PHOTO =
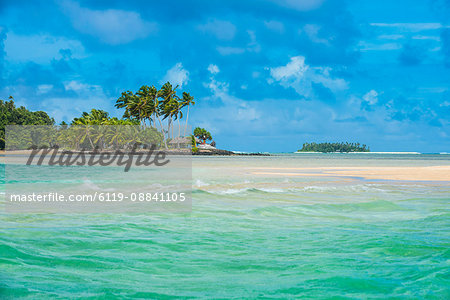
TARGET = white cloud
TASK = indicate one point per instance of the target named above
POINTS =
(219, 89)
(391, 36)
(111, 26)
(301, 5)
(427, 37)
(295, 68)
(252, 46)
(364, 46)
(223, 30)
(69, 108)
(230, 50)
(274, 26)
(298, 75)
(88, 96)
(312, 31)
(177, 75)
(44, 88)
(78, 86)
(44, 47)
(410, 26)
(371, 97)
(235, 109)
(213, 69)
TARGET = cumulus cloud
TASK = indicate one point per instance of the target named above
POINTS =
(294, 69)
(177, 75)
(236, 109)
(302, 77)
(111, 26)
(223, 30)
(213, 69)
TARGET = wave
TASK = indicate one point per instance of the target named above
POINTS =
(232, 191)
(359, 188)
(199, 183)
(89, 185)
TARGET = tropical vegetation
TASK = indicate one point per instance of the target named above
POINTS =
(151, 107)
(12, 115)
(150, 115)
(202, 134)
(334, 147)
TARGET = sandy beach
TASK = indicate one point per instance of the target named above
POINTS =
(429, 173)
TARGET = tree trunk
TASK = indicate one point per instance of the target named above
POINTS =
(90, 141)
(169, 122)
(179, 133)
(187, 117)
(162, 129)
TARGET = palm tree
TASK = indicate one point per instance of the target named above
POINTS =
(170, 98)
(187, 100)
(87, 124)
(83, 126)
(155, 109)
(146, 96)
(124, 102)
(202, 134)
(174, 111)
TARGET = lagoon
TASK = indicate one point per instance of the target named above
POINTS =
(255, 231)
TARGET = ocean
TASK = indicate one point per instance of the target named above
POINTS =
(250, 234)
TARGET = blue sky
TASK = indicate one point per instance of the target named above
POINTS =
(267, 75)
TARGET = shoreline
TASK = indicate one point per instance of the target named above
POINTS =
(202, 152)
(355, 152)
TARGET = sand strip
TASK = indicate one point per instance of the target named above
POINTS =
(434, 173)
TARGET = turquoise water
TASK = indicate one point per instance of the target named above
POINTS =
(248, 236)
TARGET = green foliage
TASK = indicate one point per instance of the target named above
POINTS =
(117, 135)
(144, 107)
(202, 134)
(193, 143)
(95, 117)
(12, 115)
(334, 147)
(149, 105)
(87, 137)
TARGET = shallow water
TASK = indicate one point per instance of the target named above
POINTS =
(247, 237)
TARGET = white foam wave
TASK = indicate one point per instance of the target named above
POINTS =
(199, 183)
(271, 190)
(89, 185)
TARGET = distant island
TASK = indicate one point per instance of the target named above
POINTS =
(334, 147)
